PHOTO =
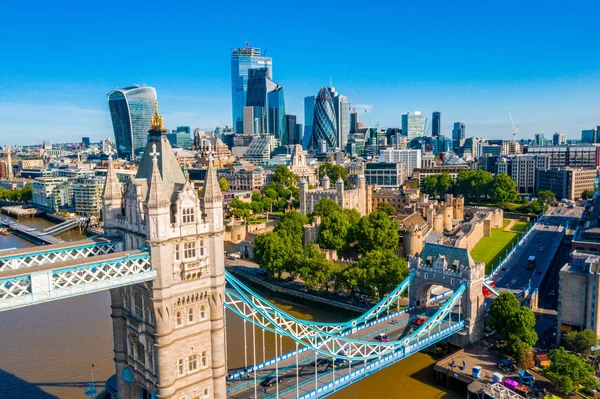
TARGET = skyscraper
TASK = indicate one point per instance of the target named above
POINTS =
(436, 124)
(324, 122)
(458, 132)
(293, 130)
(131, 109)
(413, 125)
(242, 60)
(342, 115)
(263, 92)
(309, 114)
(559, 139)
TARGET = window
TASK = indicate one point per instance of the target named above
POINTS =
(204, 359)
(177, 252)
(190, 315)
(192, 362)
(181, 367)
(206, 393)
(140, 352)
(189, 249)
(201, 247)
(138, 308)
(202, 312)
(188, 215)
(179, 318)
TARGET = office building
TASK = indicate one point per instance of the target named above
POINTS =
(577, 156)
(413, 125)
(590, 136)
(260, 149)
(567, 183)
(263, 92)
(276, 123)
(385, 174)
(131, 109)
(436, 124)
(523, 170)
(324, 130)
(86, 142)
(342, 115)
(293, 130)
(493, 150)
(180, 139)
(242, 60)
(354, 122)
(539, 139)
(559, 139)
(458, 132)
(452, 170)
(410, 158)
(309, 114)
(87, 193)
(51, 194)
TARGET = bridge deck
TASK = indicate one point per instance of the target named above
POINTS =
(15, 253)
(244, 387)
(65, 265)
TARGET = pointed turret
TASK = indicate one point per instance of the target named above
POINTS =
(211, 192)
(112, 187)
(156, 194)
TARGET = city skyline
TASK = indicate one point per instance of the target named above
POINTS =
(473, 75)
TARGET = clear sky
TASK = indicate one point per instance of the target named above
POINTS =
(471, 60)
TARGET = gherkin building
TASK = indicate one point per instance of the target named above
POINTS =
(324, 123)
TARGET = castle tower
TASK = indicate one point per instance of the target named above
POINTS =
(169, 337)
(325, 182)
(339, 188)
(303, 193)
(413, 240)
(447, 214)
(459, 208)
(112, 199)
(362, 195)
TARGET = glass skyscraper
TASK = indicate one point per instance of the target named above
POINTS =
(309, 114)
(436, 124)
(131, 110)
(413, 125)
(342, 114)
(324, 131)
(242, 60)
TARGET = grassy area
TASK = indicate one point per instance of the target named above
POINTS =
(520, 226)
(490, 250)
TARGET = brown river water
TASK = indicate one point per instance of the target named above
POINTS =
(47, 350)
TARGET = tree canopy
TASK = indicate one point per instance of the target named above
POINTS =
(515, 323)
(437, 185)
(570, 372)
(326, 207)
(284, 176)
(387, 208)
(587, 194)
(333, 171)
(546, 196)
(223, 184)
(503, 188)
(580, 341)
(24, 194)
(383, 271)
(376, 231)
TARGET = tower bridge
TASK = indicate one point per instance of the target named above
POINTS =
(163, 262)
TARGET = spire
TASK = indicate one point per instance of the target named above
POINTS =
(156, 194)
(112, 187)
(211, 192)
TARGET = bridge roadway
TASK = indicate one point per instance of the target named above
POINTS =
(543, 242)
(34, 236)
(243, 387)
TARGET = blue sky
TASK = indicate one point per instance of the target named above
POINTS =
(471, 60)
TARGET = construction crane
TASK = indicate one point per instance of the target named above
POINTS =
(515, 128)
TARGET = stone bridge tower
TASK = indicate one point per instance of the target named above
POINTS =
(450, 267)
(169, 339)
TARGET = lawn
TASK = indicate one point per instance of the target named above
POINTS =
(520, 226)
(490, 250)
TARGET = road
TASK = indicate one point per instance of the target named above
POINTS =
(543, 243)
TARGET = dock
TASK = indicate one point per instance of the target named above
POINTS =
(30, 234)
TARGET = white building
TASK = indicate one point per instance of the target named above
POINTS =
(410, 158)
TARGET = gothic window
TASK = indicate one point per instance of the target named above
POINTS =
(204, 359)
(140, 352)
(201, 248)
(189, 249)
(202, 312)
(187, 215)
(138, 308)
(206, 393)
(192, 362)
(190, 315)
(179, 318)
(181, 367)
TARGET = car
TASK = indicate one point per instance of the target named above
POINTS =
(419, 321)
(552, 293)
(234, 256)
(339, 363)
(382, 337)
(270, 381)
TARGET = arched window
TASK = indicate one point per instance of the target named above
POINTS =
(190, 315)
(204, 359)
(187, 215)
(179, 318)
(202, 312)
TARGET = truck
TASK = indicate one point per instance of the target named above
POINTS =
(531, 263)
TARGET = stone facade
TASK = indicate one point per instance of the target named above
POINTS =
(169, 339)
(358, 198)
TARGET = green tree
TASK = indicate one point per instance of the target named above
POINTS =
(570, 372)
(284, 176)
(223, 184)
(326, 207)
(473, 184)
(352, 278)
(503, 189)
(429, 185)
(387, 208)
(276, 252)
(376, 231)
(383, 271)
(270, 193)
(587, 194)
(255, 197)
(334, 231)
(445, 184)
(314, 269)
(580, 341)
(292, 222)
(546, 196)
(333, 171)
(515, 323)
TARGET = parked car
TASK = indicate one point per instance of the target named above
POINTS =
(382, 337)
(270, 381)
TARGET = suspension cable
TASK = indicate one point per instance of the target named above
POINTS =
(254, 366)
(276, 368)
